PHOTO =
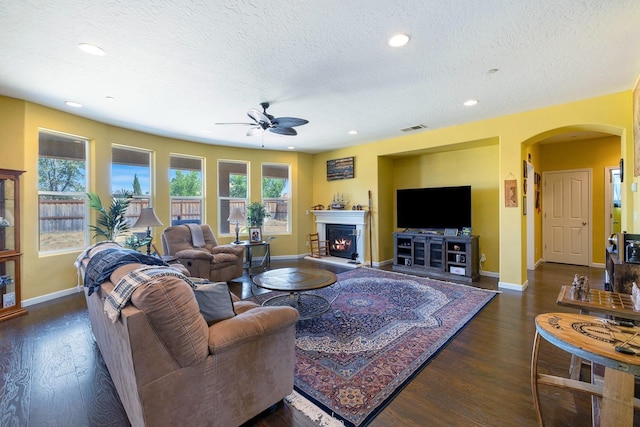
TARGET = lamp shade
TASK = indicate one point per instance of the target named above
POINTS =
(236, 215)
(147, 218)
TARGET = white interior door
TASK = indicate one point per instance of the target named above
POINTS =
(566, 216)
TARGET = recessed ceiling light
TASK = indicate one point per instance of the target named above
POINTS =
(73, 104)
(91, 49)
(207, 131)
(110, 98)
(399, 40)
(353, 132)
(470, 102)
(291, 147)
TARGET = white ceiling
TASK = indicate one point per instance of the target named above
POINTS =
(176, 67)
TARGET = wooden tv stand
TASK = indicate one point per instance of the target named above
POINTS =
(434, 255)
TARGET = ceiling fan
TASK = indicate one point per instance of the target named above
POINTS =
(263, 121)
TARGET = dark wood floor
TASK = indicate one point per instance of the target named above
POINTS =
(52, 373)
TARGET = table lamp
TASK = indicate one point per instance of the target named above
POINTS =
(147, 219)
(236, 216)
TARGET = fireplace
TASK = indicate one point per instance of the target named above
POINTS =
(341, 240)
(356, 220)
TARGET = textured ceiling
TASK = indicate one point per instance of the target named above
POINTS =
(176, 67)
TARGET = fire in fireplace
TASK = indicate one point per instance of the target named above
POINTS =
(342, 240)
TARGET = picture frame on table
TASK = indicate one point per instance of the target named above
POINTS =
(255, 234)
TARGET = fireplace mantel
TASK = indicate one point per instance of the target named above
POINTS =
(347, 217)
(336, 216)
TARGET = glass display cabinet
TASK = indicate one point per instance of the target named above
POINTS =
(10, 301)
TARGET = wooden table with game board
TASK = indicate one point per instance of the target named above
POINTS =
(592, 338)
(610, 303)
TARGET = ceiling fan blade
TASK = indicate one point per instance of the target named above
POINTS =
(255, 131)
(283, 130)
(236, 124)
(258, 116)
(289, 122)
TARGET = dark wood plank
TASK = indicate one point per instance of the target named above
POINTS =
(480, 378)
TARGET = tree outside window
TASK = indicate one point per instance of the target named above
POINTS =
(276, 194)
(233, 192)
(62, 186)
(185, 189)
(131, 173)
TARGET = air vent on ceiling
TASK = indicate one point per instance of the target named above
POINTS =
(412, 128)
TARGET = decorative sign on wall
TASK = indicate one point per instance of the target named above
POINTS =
(340, 168)
(510, 193)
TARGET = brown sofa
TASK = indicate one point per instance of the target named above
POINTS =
(170, 368)
(218, 263)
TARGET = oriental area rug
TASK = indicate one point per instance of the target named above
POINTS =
(382, 329)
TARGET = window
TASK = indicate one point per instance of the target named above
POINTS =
(616, 186)
(232, 192)
(185, 188)
(131, 172)
(62, 185)
(276, 193)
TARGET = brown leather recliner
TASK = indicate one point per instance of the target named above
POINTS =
(205, 259)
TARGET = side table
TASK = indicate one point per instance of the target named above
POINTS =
(610, 303)
(265, 261)
(592, 339)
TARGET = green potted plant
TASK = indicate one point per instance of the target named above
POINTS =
(111, 223)
(256, 213)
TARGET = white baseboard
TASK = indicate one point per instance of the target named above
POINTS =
(493, 274)
(513, 286)
(51, 296)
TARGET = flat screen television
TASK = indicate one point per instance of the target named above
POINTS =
(434, 208)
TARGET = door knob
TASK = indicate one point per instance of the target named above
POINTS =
(584, 223)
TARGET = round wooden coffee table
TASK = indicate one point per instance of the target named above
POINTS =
(296, 281)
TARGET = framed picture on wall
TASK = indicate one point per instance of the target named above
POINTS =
(340, 168)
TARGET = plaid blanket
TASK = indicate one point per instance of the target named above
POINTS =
(122, 292)
(103, 263)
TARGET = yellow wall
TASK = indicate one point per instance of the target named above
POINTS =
(595, 154)
(477, 167)
(12, 133)
(42, 275)
(514, 133)
(489, 151)
(532, 154)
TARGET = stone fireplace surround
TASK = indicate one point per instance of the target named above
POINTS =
(346, 217)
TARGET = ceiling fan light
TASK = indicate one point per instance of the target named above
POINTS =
(255, 131)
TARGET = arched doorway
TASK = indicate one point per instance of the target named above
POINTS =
(592, 148)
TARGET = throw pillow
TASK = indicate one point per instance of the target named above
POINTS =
(214, 301)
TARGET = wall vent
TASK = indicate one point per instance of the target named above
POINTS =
(412, 128)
